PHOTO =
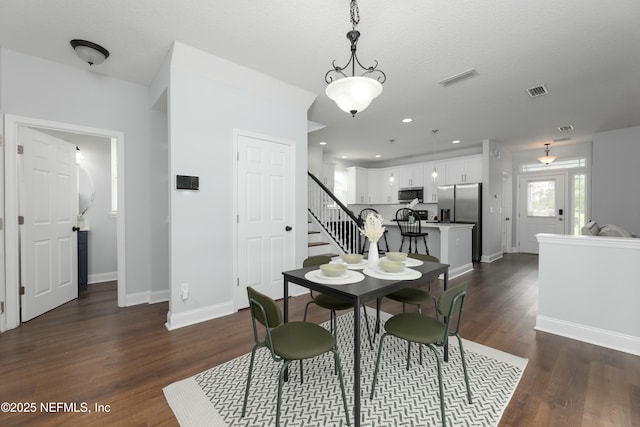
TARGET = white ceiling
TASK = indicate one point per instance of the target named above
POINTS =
(586, 52)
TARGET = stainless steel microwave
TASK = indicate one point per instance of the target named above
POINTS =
(406, 195)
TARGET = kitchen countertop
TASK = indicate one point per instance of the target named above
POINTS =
(433, 224)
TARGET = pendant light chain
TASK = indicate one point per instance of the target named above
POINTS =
(355, 14)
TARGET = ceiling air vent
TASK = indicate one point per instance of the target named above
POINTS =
(537, 91)
(562, 139)
(565, 128)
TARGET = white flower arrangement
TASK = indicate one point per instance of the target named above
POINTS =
(373, 228)
(413, 203)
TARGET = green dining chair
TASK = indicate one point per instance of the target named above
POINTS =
(330, 303)
(414, 296)
(287, 342)
(432, 332)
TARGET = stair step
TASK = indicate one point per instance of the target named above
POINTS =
(317, 243)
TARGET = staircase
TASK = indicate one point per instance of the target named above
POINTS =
(333, 228)
(318, 244)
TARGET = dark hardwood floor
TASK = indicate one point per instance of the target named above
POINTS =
(90, 351)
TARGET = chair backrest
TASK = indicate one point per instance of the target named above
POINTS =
(264, 309)
(362, 216)
(316, 260)
(450, 304)
(408, 220)
(423, 257)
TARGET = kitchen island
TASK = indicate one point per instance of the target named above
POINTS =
(451, 243)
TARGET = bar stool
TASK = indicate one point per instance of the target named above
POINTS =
(409, 222)
(362, 216)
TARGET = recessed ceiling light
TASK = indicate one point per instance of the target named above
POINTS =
(457, 141)
(344, 157)
(323, 143)
(407, 120)
(378, 156)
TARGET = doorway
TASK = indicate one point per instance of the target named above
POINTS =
(542, 202)
(12, 125)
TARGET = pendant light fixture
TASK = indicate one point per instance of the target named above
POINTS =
(391, 177)
(89, 52)
(546, 159)
(434, 174)
(353, 93)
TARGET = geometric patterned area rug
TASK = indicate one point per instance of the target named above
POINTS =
(214, 397)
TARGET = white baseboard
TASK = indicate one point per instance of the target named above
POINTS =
(102, 277)
(491, 258)
(159, 296)
(137, 298)
(601, 337)
(459, 271)
(191, 317)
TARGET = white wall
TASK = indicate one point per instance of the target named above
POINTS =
(209, 98)
(493, 167)
(102, 235)
(42, 89)
(588, 289)
(616, 174)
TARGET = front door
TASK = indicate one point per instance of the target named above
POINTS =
(542, 209)
(265, 215)
(48, 195)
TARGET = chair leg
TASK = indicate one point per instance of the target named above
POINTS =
(333, 329)
(375, 372)
(336, 359)
(425, 245)
(444, 421)
(401, 244)
(301, 372)
(246, 391)
(464, 368)
(306, 307)
(409, 354)
(280, 381)
(420, 345)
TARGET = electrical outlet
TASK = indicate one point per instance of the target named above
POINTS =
(184, 290)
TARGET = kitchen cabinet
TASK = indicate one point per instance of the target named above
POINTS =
(357, 186)
(388, 188)
(328, 175)
(464, 169)
(374, 178)
(411, 176)
(430, 183)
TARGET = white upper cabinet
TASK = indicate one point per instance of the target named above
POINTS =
(328, 175)
(389, 187)
(464, 169)
(374, 177)
(357, 186)
(411, 176)
(430, 183)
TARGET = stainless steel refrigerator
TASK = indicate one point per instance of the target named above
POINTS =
(462, 203)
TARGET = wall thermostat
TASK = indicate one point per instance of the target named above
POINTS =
(186, 182)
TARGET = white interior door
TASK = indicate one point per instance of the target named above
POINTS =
(265, 216)
(542, 209)
(48, 202)
(507, 212)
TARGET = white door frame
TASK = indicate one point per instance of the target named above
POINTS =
(236, 134)
(541, 176)
(507, 212)
(11, 125)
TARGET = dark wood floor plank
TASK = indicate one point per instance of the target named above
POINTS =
(89, 350)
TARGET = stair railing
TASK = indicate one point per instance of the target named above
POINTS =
(333, 216)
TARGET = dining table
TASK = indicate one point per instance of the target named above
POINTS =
(372, 286)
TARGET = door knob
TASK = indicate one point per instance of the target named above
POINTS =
(75, 229)
(559, 219)
(288, 228)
